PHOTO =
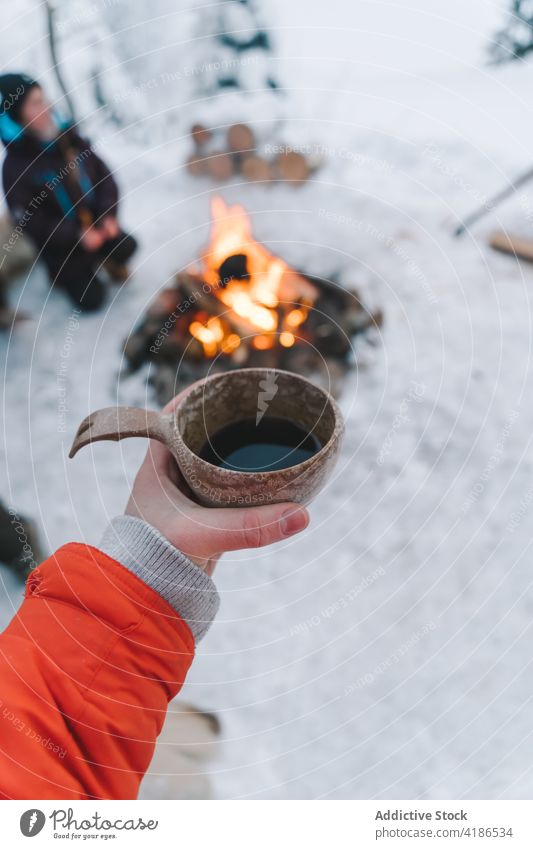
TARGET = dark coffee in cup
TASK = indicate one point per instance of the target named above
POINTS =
(248, 436)
(271, 444)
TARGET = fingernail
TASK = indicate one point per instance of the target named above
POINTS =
(293, 521)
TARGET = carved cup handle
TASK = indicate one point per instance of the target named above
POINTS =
(116, 423)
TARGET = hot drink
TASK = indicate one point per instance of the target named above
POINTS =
(291, 449)
(272, 444)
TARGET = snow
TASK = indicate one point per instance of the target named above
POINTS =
(385, 652)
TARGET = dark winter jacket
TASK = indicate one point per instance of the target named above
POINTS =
(54, 189)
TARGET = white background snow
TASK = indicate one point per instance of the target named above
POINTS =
(386, 652)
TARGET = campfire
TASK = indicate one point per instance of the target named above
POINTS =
(241, 306)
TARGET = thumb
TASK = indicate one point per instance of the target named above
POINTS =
(230, 529)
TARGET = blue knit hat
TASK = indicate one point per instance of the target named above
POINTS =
(13, 90)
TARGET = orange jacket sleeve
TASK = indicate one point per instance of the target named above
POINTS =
(87, 668)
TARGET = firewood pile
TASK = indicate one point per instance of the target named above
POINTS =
(239, 307)
(223, 156)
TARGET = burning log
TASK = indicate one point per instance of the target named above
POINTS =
(295, 285)
(199, 296)
(193, 294)
(241, 306)
(235, 267)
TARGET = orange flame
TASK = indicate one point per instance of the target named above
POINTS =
(254, 301)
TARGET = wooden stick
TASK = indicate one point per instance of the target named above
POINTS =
(193, 291)
(493, 202)
(520, 247)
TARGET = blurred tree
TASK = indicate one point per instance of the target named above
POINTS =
(516, 39)
(50, 9)
(236, 47)
(95, 83)
(155, 67)
(211, 64)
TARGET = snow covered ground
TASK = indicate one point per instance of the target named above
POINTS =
(385, 652)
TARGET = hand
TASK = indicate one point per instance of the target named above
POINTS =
(109, 226)
(92, 239)
(159, 497)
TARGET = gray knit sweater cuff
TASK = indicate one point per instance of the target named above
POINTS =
(149, 555)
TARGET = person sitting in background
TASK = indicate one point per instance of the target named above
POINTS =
(17, 255)
(61, 194)
(105, 636)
